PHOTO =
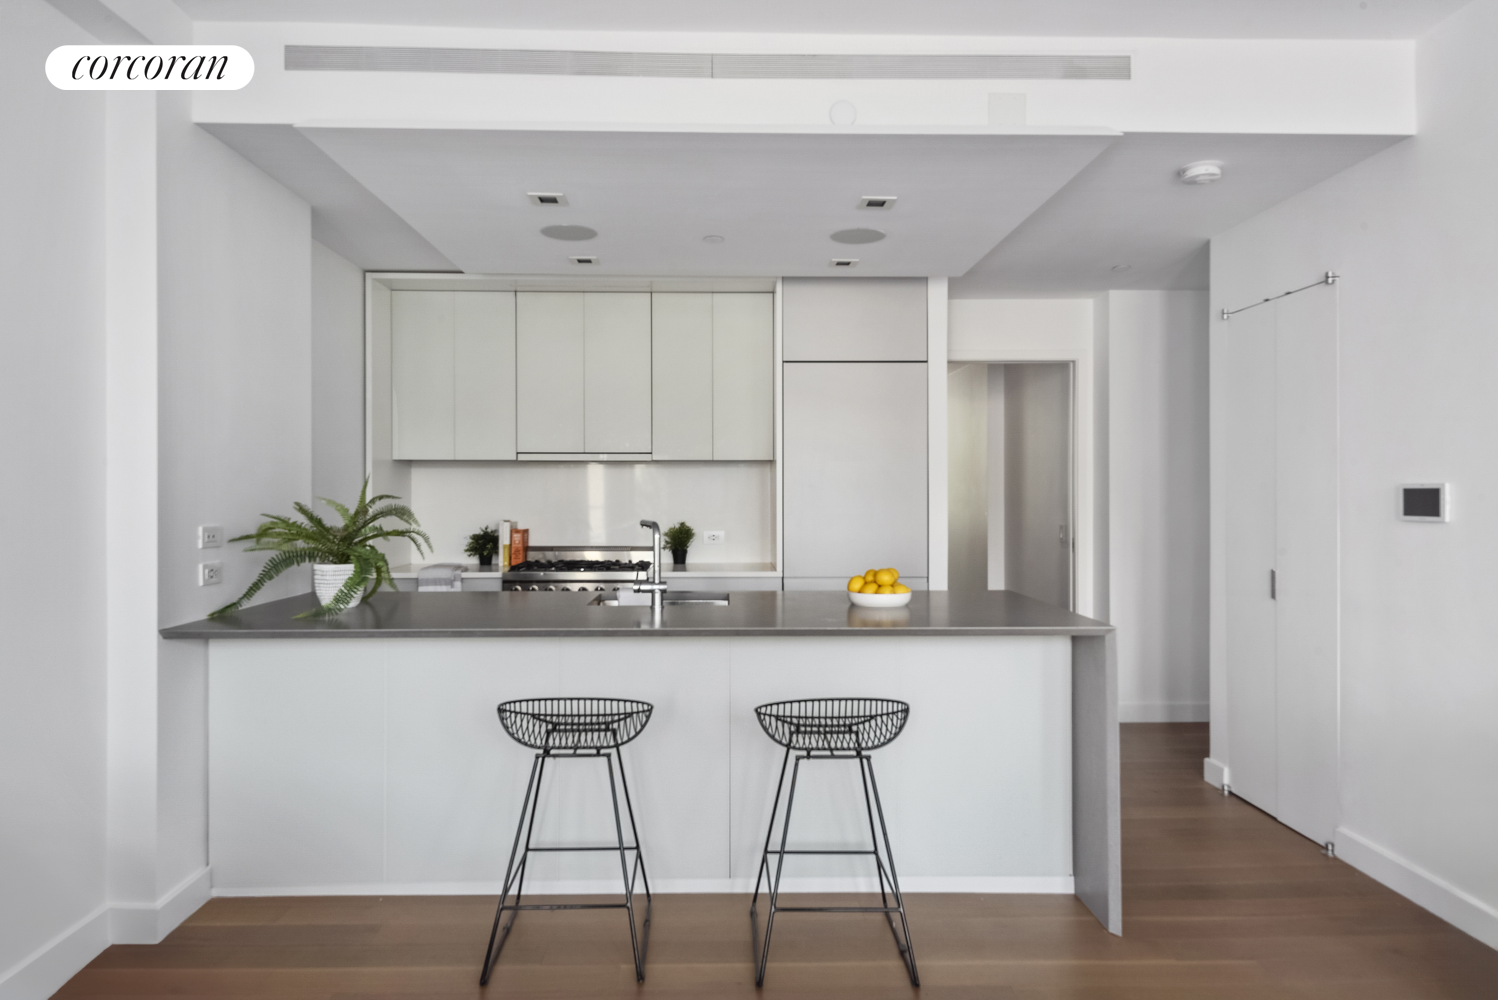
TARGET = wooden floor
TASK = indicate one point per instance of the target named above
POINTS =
(1220, 902)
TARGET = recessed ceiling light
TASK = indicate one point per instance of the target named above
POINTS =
(857, 236)
(546, 197)
(569, 232)
(712, 239)
(877, 201)
(583, 260)
(1120, 267)
(843, 262)
(843, 113)
(1201, 172)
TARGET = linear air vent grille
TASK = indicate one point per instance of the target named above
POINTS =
(535, 62)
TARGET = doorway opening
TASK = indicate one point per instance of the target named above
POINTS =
(1011, 492)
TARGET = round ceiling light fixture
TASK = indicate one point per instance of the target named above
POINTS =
(1201, 172)
(569, 232)
(843, 113)
(712, 239)
(857, 236)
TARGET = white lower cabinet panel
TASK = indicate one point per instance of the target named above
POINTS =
(369, 766)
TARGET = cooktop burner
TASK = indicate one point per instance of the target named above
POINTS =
(581, 566)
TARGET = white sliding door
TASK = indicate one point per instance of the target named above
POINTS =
(1282, 557)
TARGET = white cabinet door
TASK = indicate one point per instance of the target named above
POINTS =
(484, 375)
(743, 382)
(421, 374)
(617, 372)
(1251, 503)
(682, 384)
(855, 473)
(549, 383)
(854, 319)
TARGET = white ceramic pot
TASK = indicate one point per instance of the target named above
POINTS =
(329, 578)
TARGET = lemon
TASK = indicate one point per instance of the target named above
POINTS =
(886, 577)
(870, 588)
(856, 583)
(869, 575)
(886, 589)
(899, 588)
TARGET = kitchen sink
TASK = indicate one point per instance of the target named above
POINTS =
(680, 597)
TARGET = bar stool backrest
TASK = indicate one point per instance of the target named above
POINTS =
(574, 723)
(833, 723)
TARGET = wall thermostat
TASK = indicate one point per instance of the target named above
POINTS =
(1425, 502)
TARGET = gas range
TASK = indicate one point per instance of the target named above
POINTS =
(604, 568)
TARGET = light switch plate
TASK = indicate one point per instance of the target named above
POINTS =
(715, 536)
(210, 573)
(210, 536)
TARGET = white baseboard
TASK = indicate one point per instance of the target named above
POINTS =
(148, 923)
(1440, 897)
(1214, 772)
(1163, 711)
(44, 971)
(989, 884)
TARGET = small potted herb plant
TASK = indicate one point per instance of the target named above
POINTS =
(483, 545)
(343, 557)
(678, 539)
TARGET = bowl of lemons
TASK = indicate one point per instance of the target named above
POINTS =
(879, 588)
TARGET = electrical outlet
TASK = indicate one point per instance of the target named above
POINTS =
(210, 536)
(210, 573)
(715, 536)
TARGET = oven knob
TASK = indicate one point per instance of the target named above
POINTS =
(533, 587)
(551, 588)
(597, 588)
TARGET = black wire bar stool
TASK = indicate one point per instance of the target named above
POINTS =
(832, 729)
(573, 728)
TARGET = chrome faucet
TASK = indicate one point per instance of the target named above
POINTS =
(655, 587)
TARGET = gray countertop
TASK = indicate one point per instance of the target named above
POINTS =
(498, 614)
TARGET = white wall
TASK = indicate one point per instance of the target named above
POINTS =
(997, 432)
(968, 477)
(234, 258)
(1157, 469)
(337, 376)
(52, 671)
(600, 503)
(1411, 233)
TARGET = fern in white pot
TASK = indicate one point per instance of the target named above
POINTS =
(344, 558)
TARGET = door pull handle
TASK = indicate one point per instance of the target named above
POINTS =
(1272, 586)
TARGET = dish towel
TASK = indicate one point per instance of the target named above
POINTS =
(440, 577)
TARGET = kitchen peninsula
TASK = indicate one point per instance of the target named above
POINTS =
(362, 754)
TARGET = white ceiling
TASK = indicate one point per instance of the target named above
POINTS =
(776, 198)
(1057, 18)
(1128, 208)
(1014, 215)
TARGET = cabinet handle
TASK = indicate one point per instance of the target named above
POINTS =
(1272, 588)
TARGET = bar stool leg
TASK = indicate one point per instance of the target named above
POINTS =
(639, 862)
(624, 869)
(907, 947)
(774, 893)
(527, 807)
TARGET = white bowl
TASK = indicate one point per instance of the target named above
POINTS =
(879, 600)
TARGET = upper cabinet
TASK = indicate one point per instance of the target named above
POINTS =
(743, 376)
(616, 365)
(714, 376)
(549, 346)
(506, 375)
(452, 375)
(583, 366)
(854, 319)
